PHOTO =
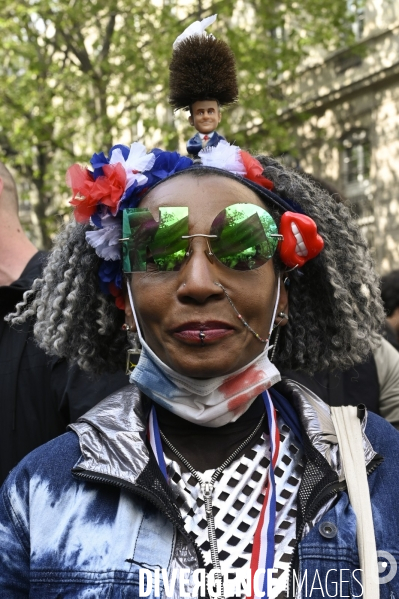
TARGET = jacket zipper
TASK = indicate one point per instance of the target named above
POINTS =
(317, 504)
(207, 488)
(145, 494)
(207, 491)
(152, 498)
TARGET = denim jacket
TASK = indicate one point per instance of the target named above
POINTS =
(81, 515)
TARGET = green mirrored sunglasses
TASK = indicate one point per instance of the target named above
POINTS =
(242, 237)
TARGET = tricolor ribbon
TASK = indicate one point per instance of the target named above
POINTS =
(154, 439)
(263, 546)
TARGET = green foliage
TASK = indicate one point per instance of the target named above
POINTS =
(77, 76)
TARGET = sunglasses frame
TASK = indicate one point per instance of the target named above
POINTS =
(210, 254)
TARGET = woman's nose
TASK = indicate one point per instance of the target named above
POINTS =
(199, 274)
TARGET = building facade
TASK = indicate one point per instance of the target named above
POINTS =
(352, 136)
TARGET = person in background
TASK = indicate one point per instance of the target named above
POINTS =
(390, 298)
(39, 395)
(374, 382)
(16, 250)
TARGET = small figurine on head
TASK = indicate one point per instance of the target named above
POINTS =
(202, 80)
(205, 116)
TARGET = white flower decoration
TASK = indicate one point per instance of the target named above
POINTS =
(137, 162)
(224, 156)
(106, 240)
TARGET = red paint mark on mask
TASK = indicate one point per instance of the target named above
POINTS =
(244, 387)
(238, 403)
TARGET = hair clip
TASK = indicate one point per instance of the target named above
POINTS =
(301, 239)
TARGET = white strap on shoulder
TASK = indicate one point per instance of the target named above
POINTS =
(348, 429)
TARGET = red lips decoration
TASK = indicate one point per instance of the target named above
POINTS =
(307, 227)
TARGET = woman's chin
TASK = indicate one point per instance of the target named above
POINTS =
(205, 363)
(203, 373)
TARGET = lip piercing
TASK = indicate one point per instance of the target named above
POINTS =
(201, 335)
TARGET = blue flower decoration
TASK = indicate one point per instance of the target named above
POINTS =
(97, 162)
(110, 271)
(165, 165)
(96, 219)
(130, 197)
(124, 149)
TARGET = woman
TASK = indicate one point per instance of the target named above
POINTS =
(196, 465)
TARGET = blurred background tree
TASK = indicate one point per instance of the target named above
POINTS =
(77, 76)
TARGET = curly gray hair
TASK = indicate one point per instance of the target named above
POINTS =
(335, 305)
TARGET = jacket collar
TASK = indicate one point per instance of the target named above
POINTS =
(112, 434)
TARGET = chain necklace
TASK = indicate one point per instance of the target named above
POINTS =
(207, 488)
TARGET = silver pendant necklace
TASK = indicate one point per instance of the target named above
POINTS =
(207, 488)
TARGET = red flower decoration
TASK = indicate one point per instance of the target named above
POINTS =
(88, 193)
(254, 171)
(118, 295)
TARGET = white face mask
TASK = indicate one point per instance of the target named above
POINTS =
(209, 402)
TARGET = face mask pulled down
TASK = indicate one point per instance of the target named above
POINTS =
(210, 402)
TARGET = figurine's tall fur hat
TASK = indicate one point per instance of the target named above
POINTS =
(202, 68)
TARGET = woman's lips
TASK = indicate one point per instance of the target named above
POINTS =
(202, 333)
